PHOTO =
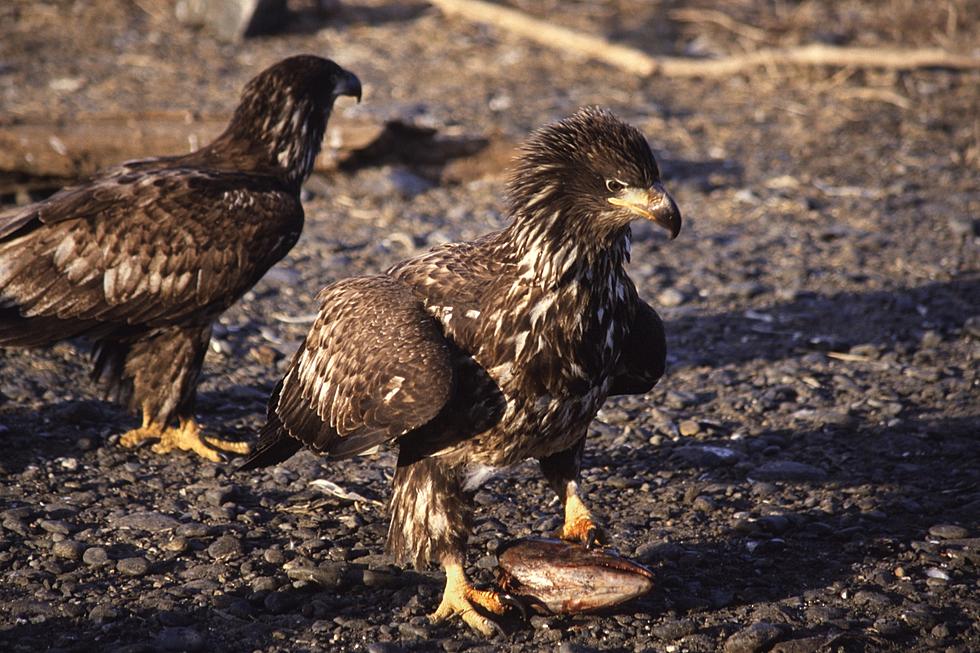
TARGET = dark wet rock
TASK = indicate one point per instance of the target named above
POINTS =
(282, 602)
(787, 470)
(384, 647)
(948, 531)
(707, 456)
(871, 599)
(674, 629)
(757, 637)
(180, 639)
(571, 647)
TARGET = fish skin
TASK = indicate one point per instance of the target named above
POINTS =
(560, 577)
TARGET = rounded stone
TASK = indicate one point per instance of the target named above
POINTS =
(226, 547)
(948, 532)
(689, 427)
(68, 549)
(136, 566)
(95, 556)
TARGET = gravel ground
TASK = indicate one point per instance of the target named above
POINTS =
(806, 476)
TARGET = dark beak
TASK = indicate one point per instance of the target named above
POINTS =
(663, 209)
(349, 85)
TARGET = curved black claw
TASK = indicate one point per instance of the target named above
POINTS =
(512, 601)
(595, 538)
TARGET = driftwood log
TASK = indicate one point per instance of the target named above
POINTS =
(79, 146)
(588, 46)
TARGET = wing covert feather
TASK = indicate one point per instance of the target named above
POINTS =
(373, 367)
(151, 246)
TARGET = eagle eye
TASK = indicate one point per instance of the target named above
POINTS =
(615, 185)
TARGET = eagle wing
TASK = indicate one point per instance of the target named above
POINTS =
(643, 358)
(139, 247)
(373, 367)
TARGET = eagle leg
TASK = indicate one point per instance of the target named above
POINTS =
(561, 469)
(579, 525)
(472, 605)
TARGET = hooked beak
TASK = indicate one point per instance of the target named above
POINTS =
(654, 204)
(349, 85)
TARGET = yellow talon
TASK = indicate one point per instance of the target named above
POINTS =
(459, 598)
(185, 437)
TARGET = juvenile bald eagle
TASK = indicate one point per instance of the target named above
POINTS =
(142, 258)
(478, 355)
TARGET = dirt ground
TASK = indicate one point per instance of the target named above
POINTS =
(807, 475)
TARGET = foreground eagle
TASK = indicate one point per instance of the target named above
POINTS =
(144, 257)
(478, 355)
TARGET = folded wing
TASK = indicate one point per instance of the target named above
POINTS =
(373, 367)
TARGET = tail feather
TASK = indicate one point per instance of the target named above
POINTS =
(39, 331)
(275, 446)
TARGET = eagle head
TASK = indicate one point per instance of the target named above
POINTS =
(284, 110)
(590, 172)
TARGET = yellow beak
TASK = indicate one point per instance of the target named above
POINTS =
(654, 204)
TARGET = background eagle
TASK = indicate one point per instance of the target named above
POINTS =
(144, 257)
(478, 355)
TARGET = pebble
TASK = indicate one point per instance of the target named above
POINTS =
(175, 544)
(152, 522)
(102, 613)
(689, 427)
(670, 298)
(95, 556)
(179, 639)
(265, 584)
(674, 629)
(704, 504)
(54, 526)
(68, 549)
(948, 532)
(135, 566)
(226, 547)
(757, 637)
(706, 456)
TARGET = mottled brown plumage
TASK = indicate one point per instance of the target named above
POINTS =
(511, 343)
(142, 258)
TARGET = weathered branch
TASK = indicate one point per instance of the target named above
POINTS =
(80, 146)
(640, 63)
